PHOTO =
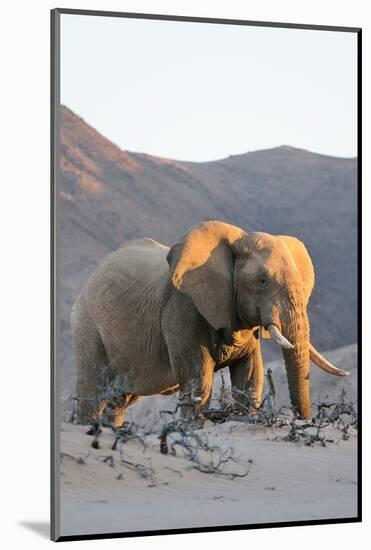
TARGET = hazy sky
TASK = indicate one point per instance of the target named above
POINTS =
(194, 91)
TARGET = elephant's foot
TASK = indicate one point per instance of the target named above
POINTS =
(95, 418)
(95, 429)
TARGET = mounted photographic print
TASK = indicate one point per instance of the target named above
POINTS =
(205, 275)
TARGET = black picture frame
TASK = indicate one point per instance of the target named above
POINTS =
(54, 239)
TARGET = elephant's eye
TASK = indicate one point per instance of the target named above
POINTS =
(263, 282)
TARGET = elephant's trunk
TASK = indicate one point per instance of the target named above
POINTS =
(297, 360)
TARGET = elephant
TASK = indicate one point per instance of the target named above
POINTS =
(160, 320)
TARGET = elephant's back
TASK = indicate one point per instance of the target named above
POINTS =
(139, 257)
(145, 244)
(125, 296)
(135, 262)
(126, 272)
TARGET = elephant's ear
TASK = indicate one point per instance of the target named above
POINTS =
(302, 261)
(201, 266)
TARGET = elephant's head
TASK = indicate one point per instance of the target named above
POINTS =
(240, 280)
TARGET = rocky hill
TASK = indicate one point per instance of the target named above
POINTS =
(108, 195)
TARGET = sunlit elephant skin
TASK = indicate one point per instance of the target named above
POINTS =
(161, 319)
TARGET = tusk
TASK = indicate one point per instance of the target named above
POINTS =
(325, 365)
(278, 338)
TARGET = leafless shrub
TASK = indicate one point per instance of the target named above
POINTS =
(196, 447)
(143, 471)
(128, 432)
(340, 414)
(328, 414)
(241, 408)
(77, 459)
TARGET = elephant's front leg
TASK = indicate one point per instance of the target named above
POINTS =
(195, 375)
(188, 342)
(247, 377)
(193, 367)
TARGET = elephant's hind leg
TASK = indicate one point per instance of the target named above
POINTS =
(118, 407)
(90, 361)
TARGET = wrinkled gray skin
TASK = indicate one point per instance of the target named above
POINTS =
(161, 320)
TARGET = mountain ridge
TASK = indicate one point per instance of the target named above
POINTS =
(69, 112)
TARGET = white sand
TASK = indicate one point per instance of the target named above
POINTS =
(286, 481)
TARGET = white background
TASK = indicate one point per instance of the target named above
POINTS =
(24, 271)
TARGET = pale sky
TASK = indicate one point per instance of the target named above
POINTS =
(192, 91)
